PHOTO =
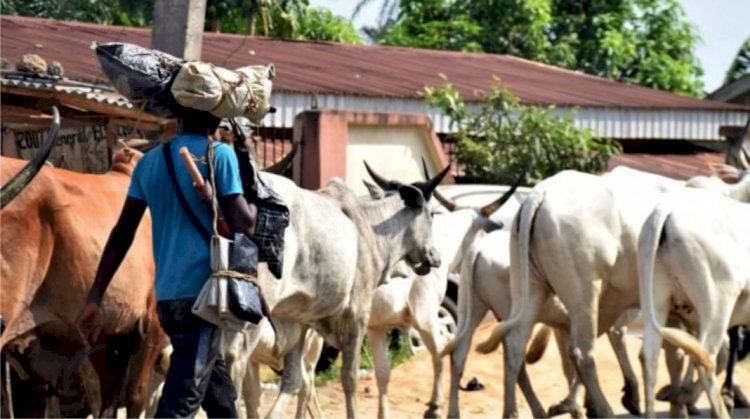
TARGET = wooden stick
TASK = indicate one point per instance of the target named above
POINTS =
(192, 168)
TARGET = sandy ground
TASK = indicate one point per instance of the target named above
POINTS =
(410, 384)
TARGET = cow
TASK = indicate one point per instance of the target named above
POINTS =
(693, 262)
(337, 250)
(485, 272)
(405, 300)
(53, 234)
(583, 250)
(413, 301)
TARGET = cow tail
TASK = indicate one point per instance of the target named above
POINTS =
(538, 345)
(648, 244)
(523, 222)
(465, 296)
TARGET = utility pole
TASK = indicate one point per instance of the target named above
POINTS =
(178, 27)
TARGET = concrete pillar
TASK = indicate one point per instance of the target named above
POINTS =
(178, 27)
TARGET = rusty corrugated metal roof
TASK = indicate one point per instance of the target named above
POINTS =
(92, 93)
(676, 166)
(330, 68)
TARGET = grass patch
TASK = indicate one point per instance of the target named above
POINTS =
(398, 352)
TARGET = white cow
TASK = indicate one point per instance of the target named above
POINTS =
(694, 262)
(414, 300)
(485, 286)
(404, 301)
(337, 249)
(583, 250)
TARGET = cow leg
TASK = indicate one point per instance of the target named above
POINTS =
(291, 378)
(730, 392)
(630, 399)
(712, 339)
(575, 386)
(674, 359)
(313, 347)
(461, 351)
(6, 397)
(312, 354)
(514, 347)
(583, 325)
(537, 410)
(252, 391)
(428, 326)
(351, 343)
(378, 341)
(236, 349)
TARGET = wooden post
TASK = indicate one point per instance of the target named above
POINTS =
(178, 27)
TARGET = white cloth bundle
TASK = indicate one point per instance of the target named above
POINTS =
(225, 93)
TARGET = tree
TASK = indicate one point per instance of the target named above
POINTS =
(502, 138)
(386, 18)
(740, 66)
(321, 25)
(646, 42)
(286, 19)
(118, 12)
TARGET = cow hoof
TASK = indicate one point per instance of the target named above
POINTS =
(693, 410)
(630, 400)
(664, 394)
(433, 411)
(565, 407)
(740, 400)
(593, 412)
(727, 396)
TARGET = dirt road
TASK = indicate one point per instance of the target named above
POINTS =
(411, 384)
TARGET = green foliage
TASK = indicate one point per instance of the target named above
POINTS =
(740, 66)
(500, 139)
(647, 42)
(287, 19)
(120, 12)
(398, 354)
(321, 25)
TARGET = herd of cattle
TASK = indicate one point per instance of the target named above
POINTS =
(584, 255)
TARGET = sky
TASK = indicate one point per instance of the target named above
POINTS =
(722, 25)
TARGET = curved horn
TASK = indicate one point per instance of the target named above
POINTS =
(429, 186)
(424, 169)
(280, 166)
(488, 209)
(16, 184)
(380, 180)
(445, 201)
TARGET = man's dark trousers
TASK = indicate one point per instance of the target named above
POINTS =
(197, 375)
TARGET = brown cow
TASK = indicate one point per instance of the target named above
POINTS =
(53, 234)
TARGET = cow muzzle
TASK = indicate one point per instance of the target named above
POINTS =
(429, 259)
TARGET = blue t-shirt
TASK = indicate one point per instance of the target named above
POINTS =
(181, 254)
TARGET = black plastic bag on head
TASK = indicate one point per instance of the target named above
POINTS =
(142, 75)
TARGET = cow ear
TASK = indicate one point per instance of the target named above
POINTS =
(374, 191)
(727, 173)
(412, 196)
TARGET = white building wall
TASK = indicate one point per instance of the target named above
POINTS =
(619, 123)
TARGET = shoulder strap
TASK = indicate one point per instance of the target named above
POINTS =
(180, 197)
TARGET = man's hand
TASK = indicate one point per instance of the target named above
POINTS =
(89, 322)
(204, 191)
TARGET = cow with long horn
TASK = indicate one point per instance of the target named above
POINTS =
(337, 249)
(53, 232)
(407, 300)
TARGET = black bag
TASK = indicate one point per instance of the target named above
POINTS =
(229, 289)
(142, 75)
